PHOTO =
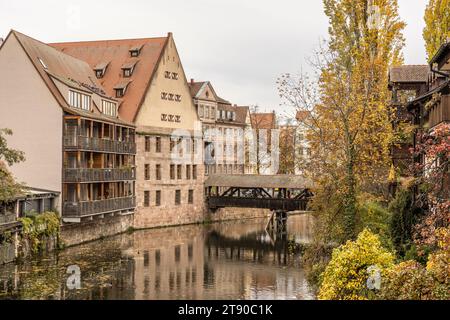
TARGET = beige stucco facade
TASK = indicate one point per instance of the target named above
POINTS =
(29, 109)
(159, 117)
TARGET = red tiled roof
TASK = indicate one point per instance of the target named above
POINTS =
(263, 120)
(117, 54)
(301, 115)
(53, 65)
(195, 87)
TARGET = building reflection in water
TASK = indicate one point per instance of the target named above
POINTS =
(232, 260)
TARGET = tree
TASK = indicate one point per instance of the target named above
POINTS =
(9, 188)
(349, 127)
(437, 25)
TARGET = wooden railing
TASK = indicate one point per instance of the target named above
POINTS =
(97, 144)
(440, 112)
(88, 208)
(7, 218)
(99, 175)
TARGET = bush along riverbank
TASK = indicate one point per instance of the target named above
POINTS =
(389, 259)
(37, 233)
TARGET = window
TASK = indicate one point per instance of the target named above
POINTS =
(79, 100)
(172, 171)
(99, 73)
(146, 198)
(174, 76)
(109, 108)
(191, 196)
(177, 97)
(164, 95)
(172, 144)
(213, 113)
(206, 112)
(194, 171)
(147, 172)
(167, 74)
(120, 92)
(127, 72)
(179, 171)
(158, 172)
(200, 111)
(177, 197)
(158, 198)
(158, 144)
(147, 144)
(134, 52)
(188, 172)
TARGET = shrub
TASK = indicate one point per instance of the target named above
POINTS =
(411, 281)
(376, 218)
(404, 217)
(346, 275)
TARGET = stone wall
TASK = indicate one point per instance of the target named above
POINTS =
(73, 234)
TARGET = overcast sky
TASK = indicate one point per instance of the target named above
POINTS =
(242, 46)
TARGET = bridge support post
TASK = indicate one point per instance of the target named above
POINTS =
(277, 224)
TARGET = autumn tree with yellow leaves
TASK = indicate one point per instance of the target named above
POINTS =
(437, 25)
(348, 125)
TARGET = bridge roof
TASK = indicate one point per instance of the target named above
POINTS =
(258, 181)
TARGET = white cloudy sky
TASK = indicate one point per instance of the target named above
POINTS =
(242, 46)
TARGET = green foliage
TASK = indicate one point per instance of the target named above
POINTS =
(375, 217)
(345, 277)
(9, 188)
(9, 155)
(404, 217)
(35, 228)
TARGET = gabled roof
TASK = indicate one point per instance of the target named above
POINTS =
(195, 87)
(117, 52)
(409, 74)
(241, 114)
(53, 65)
(263, 120)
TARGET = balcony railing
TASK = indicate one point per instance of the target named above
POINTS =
(7, 218)
(99, 175)
(89, 208)
(97, 144)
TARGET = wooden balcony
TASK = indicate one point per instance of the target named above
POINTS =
(439, 112)
(99, 175)
(91, 208)
(100, 145)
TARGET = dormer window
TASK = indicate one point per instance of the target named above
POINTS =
(128, 68)
(121, 88)
(109, 108)
(100, 69)
(79, 100)
(135, 51)
(120, 93)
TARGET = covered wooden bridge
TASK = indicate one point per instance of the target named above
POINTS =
(274, 192)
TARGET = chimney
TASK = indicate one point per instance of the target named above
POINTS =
(192, 81)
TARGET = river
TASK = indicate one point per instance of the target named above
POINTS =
(229, 260)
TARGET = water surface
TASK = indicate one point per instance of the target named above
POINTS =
(230, 260)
